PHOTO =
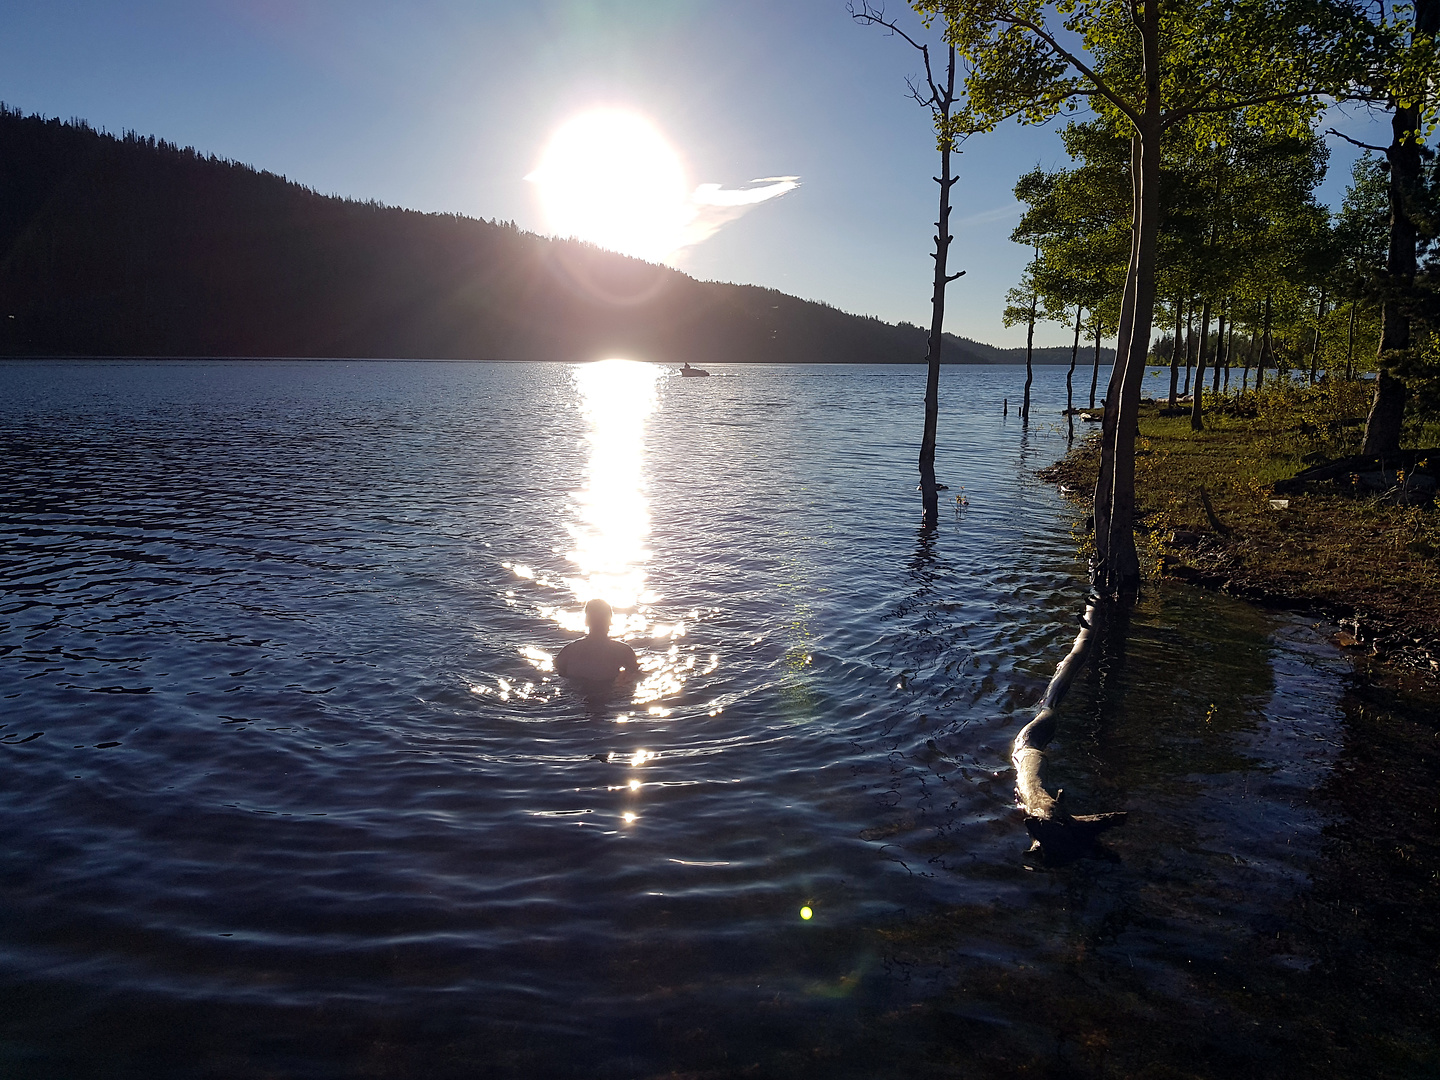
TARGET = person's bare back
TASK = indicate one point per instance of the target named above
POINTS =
(595, 657)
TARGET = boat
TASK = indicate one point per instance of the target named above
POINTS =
(694, 371)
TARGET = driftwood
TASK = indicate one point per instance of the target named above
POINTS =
(1058, 833)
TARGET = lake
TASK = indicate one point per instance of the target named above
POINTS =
(291, 788)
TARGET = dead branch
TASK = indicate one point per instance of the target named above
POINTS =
(1356, 142)
(1215, 523)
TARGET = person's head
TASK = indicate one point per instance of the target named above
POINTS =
(597, 616)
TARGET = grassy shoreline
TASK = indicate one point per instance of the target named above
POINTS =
(1338, 547)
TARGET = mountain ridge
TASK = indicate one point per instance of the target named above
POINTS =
(132, 246)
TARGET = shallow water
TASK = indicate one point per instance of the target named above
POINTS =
(290, 787)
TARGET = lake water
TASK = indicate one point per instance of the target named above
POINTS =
(290, 788)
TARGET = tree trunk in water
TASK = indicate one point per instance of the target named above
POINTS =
(1250, 349)
(1105, 482)
(1219, 351)
(1175, 354)
(929, 494)
(1074, 356)
(1189, 344)
(1116, 568)
(1267, 347)
(1196, 422)
(1029, 354)
(1229, 354)
(1387, 408)
(1315, 348)
(1070, 376)
(1117, 565)
(1095, 370)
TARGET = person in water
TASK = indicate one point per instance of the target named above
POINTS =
(595, 657)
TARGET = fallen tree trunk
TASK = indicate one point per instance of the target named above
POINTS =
(1056, 832)
(1409, 460)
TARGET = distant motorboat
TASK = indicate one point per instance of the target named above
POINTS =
(695, 371)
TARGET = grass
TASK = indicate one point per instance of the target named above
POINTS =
(1348, 556)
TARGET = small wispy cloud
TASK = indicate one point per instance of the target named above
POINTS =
(987, 217)
(712, 207)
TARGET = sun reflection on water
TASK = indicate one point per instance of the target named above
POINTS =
(608, 554)
(612, 522)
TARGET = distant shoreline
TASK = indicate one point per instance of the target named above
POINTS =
(511, 360)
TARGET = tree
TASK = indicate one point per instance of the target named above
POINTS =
(1240, 214)
(939, 97)
(1361, 241)
(1156, 66)
(1022, 304)
(1405, 78)
(1078, 220)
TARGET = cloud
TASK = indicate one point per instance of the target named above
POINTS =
(712, 207)
(988, 217)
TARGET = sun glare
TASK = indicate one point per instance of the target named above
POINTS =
(611, 178)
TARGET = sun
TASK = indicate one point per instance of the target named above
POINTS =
(610, 177)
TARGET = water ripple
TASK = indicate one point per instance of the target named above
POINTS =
(282, 731)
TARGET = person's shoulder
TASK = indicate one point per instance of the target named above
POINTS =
(625, 650)
(562, 658)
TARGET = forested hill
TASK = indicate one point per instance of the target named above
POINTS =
(131, 246)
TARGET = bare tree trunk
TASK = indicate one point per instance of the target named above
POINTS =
(929, 494)
(1117, 564)
(1350, 346)
(1229, 355)
(1074, 356)
(1315, 348)
(1196, 422)
(1095, 370)
(1189, 344)
(1105, 482)
(1267, 346)
(1175, 352)
(1029, 356)
(1219, 349)
(1250, 349)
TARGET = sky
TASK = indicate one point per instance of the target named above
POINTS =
(445, 105)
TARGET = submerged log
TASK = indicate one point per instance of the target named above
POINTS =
(1058, 833)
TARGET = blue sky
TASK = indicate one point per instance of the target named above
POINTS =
(446, 105)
